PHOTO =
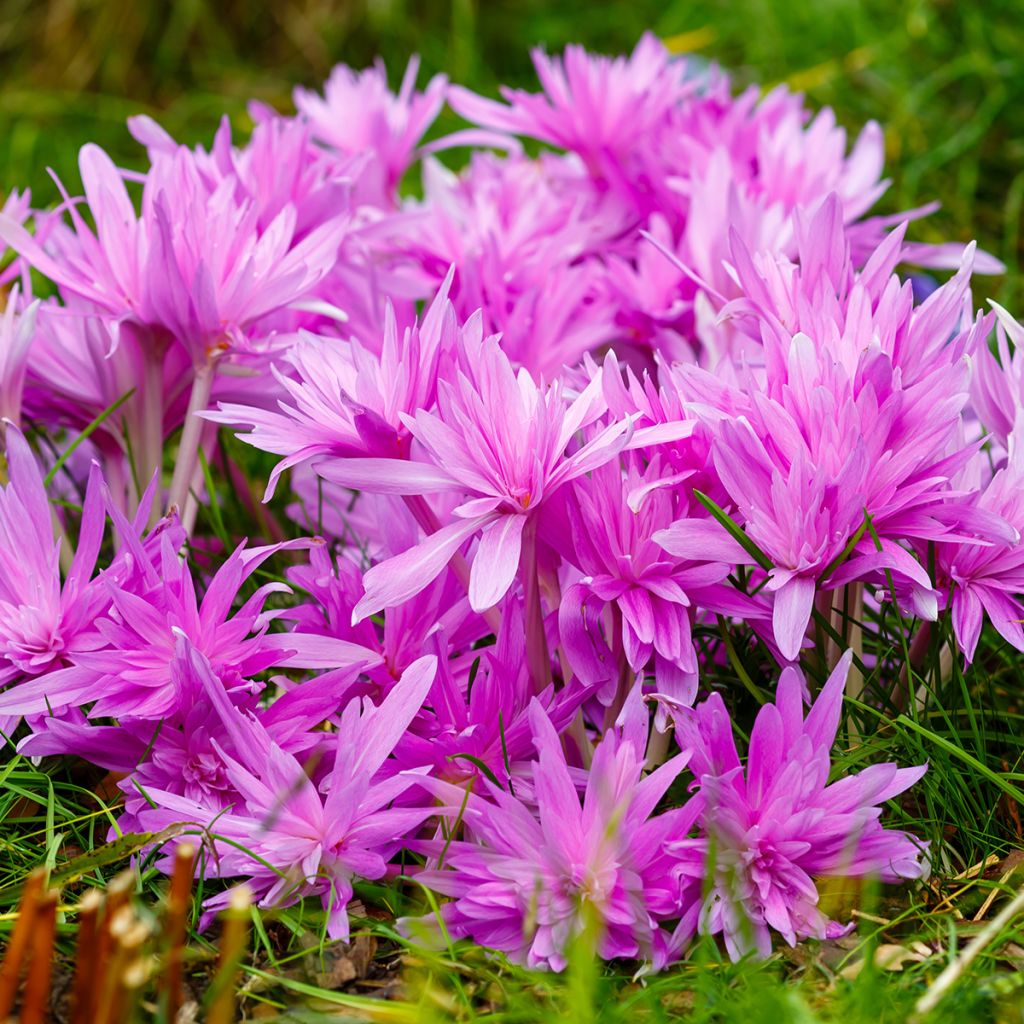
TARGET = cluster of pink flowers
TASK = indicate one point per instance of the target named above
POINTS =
(559, 437)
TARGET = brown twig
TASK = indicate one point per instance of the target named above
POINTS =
(175, 927)
(83, 987)
(37, 983)
(10, 970)
(232, 946)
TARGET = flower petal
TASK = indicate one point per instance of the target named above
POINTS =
(396, 580)
(496, 562)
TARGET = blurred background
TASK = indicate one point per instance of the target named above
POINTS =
(945, 77)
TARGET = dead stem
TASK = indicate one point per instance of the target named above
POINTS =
(175, 927)
(10, 970)
(232, 946)
(35, 1005)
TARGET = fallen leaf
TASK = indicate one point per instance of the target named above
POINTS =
(889, 957)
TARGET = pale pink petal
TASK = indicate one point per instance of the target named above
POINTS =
(791, 613)
(386, 476)
(496, 562)
(396, 580)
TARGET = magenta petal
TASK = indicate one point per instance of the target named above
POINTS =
(701, 540)
(766, 752)
(638, 613)
(967, 620)
(822, 721)
(579, 627)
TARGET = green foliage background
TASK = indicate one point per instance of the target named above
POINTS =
(946, 78)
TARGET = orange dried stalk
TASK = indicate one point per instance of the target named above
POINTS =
(232, 946)
(36, 1002)
(114, 957)
(176, 926)
(84, 987)
(10, 970)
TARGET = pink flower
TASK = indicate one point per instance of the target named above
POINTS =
(997, 389)
(601, 108)
(44, 623)
(344, 400)
(278, 168)
(525, 237)
(124, 669)
(776, 824)
(528, 883)
(612, 529)
(479, 711)
(359, 116)
(500, 438)
(858, 412)
(16, 330)
(985, 575)
(289, 837)
(193, 269)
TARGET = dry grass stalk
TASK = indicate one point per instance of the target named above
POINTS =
(35, 1005)
(114, 958)
(84, 986)
(176, 923)
(232, 946)
(135, 976)
(10, 969)
(119, 891)
(128, 940)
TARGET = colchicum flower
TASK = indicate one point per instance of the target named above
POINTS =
(529, 882)
(554, 442)
(777, 823)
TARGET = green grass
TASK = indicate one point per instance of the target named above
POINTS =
(946, 80)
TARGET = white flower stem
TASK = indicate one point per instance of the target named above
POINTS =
(191, 435)
(191, 508)
(537, 655)
(114, 462)
(151, 449)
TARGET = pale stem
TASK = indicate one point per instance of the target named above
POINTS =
(847, 621)
(191, 435)
(627, 678)
(918, 651)
(824, 605)
(577, 734)
(538, 657)
(657, 747)
(191, 509)
(150, 454)
(66, 553)
(113, 473)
